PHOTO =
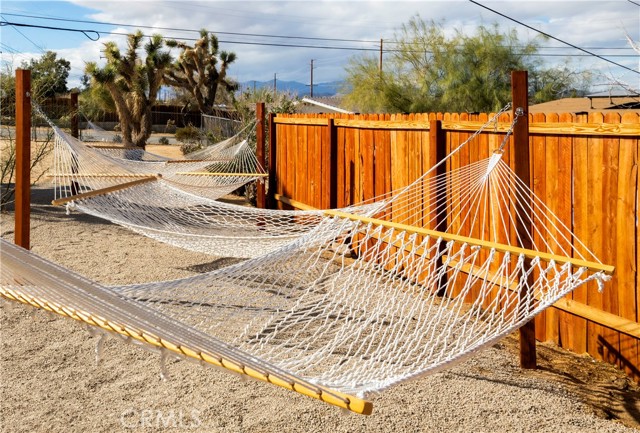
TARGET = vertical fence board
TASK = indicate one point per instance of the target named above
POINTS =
(551, 198)
(610, 339)
(596, 169)
(538, 185)
(578, 341)
(564, 213)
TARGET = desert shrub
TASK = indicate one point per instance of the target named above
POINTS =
(191, 139)
(163, 140)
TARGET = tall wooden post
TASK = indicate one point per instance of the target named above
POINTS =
(437, 140)
(333, 164)
(519, 92)
(273, 180)
(75, 127)
(260, 154)
(23, 159)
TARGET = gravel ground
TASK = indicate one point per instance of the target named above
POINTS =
(49, 380)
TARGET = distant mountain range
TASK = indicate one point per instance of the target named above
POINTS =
(295, 87)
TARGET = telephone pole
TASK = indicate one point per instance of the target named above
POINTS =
(311, 86)
(381, 55)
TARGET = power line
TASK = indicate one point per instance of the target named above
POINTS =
(192, 30)
(555, 38)
(262, 35)
(84, 32)
(23, 35)
(269, 44)
(632, 2)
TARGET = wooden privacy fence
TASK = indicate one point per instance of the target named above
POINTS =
(584, 166)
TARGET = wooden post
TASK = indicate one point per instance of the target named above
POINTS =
(260, 147)
(519, 92)
(273, 180)
(23, 159)
(438, 144)
(333, 164)
(75, 129)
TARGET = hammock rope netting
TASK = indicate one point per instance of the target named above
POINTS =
(356, 304)
(174, 201)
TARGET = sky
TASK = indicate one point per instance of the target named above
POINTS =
(327, 32)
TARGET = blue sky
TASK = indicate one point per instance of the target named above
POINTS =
(600, 26)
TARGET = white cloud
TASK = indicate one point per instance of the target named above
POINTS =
(588, 23)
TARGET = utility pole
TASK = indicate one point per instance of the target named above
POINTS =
(380, 55)
(275, 84)
(311, 86)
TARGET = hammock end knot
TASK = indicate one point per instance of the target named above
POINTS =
(601, 278)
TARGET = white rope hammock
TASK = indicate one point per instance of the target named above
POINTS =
(356, 304)
(174, 201)
(223, 168)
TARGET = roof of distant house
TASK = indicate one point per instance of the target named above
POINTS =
(590, 104)
(325, 104)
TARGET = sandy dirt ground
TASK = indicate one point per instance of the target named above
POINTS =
(50, 381)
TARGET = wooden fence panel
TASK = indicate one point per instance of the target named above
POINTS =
(583, 166)
(578, 341)
(564, 211)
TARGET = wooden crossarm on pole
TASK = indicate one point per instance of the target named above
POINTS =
(102, 191)
(531, 254)
(206, 173)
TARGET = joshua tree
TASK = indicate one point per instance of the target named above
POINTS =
(133, 83)
(196, 70)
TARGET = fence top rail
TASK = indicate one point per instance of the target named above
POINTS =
(546, 128)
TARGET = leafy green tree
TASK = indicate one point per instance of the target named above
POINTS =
(40, 147)
(49, 74)
(430, 71)
(558, 82)
(133, 83)
(201, 70)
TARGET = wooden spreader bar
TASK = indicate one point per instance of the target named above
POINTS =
(103, 191)
(104, 175)
(206, 173)
(183, 161)
(531, 254)
(226, 361)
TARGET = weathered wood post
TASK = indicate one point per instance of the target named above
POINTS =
(273, 180)
(260, 154)
(519, 92)
(333, 163)
(23, 159)
(75, 127)
(438, 151)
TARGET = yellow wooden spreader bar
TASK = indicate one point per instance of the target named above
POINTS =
(183, 161)
(291, 383)
(207, 173)
(102, 191)
(105, 175)
(592, 266)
